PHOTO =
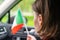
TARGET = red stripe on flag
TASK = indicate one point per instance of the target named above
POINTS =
(17, 28)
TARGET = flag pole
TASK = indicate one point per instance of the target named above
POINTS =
(26, 29)
(26, 26)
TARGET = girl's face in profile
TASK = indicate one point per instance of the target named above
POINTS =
(37, 22)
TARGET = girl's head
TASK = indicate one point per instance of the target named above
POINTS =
(46, 17)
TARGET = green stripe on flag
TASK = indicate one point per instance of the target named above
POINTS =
(19, 17)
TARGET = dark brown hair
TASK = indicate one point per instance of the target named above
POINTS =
(49, 9)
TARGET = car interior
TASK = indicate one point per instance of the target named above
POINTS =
(5, 28)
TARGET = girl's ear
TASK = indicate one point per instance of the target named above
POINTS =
(40, 19)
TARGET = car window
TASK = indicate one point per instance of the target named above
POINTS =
(5, 19)
(26, 8)
(4, 8)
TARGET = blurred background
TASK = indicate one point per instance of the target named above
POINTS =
(26, 8)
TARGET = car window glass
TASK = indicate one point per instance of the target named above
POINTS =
(5, 19)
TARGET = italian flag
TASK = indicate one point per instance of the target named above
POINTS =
(18, 23)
